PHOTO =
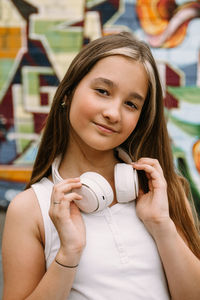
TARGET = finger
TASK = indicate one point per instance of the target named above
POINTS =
(150, 170)
(74, 210)
(152, 162)
(71, 197)
(62, 206)
(65, 199)
(67, 181)
(158, 179)
(65, 187)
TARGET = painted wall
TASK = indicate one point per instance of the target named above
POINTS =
(38, 40)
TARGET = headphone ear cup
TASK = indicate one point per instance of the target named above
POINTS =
(96, 192)
(126, 183)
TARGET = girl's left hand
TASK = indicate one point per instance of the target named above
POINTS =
(152, 207)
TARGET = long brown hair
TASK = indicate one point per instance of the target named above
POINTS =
(149, 138)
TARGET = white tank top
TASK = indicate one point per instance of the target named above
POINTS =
(120, 260)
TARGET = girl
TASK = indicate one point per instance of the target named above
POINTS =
(145, 249)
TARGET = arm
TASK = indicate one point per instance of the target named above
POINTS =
(182, 267)
(24, 271)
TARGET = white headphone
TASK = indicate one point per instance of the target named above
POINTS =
(97, 192)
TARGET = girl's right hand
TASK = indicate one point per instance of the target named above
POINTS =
(67, 218)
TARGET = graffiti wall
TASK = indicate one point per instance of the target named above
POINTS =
(38, 40)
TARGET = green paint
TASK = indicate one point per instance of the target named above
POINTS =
(25, 128)
(33, 83)
(64, 41)
(30, 78)
(188, 127)
(60, 39)
(6, 67)
(24, 144)
(43, 26)
(189, 94)
(183, 167)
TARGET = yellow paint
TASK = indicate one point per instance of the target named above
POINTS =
(10, 42)
(150, 19)
(15, 173)
(196, 155)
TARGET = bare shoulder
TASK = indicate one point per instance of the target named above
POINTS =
(24, 204)
(24, 199)
(25, 211)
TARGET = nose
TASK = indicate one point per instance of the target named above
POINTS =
(112, 112)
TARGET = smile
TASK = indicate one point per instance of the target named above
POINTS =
(105, 128)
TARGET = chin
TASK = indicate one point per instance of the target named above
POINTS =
(103, 146)
(98, 143)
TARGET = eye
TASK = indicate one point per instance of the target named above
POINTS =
(102, 92)
(131, 104)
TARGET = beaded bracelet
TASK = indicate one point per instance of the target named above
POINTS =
(71, 267)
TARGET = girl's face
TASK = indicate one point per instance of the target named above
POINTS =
(107, 102)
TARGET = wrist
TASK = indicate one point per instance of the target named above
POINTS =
(66, 266)
(162, 228)
(68, 258)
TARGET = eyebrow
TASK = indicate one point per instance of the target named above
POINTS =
(111, 84)
(137, 96)
(104, 80)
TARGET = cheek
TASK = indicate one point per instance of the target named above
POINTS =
(81, 112)
(131, 124)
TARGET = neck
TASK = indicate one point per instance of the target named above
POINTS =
(78, 160)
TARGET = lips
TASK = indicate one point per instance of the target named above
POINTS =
(105, 128)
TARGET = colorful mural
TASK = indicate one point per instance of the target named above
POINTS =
(38, 40)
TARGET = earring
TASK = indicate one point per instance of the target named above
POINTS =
(63, 104)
